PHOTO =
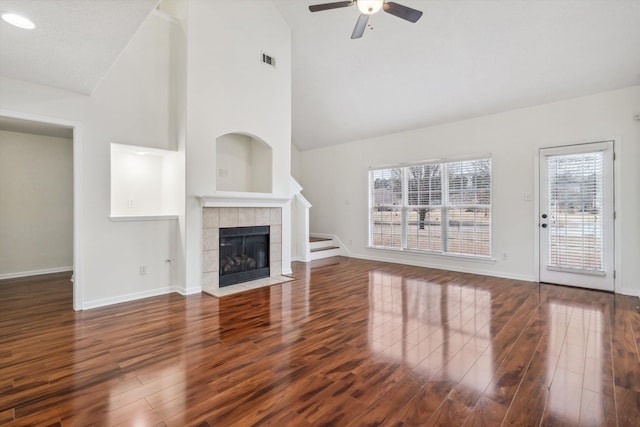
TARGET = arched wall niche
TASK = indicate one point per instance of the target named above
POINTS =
(243, 164)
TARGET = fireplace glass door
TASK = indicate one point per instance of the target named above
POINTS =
(244, 254)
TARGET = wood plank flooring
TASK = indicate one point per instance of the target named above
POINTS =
(348, 343)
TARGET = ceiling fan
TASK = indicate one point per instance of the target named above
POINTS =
(368, 8)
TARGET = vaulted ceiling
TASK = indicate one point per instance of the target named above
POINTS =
(74, 42)
(462, 59)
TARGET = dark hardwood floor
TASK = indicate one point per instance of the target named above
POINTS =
(348, 343)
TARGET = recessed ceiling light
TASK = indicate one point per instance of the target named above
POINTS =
(18, 21)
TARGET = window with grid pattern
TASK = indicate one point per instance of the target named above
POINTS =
(434, 207)
(386, 214)
(575, 208)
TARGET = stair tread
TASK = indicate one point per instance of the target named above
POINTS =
(325, 248)
(319, 239)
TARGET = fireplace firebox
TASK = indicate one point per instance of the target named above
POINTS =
(244, 254)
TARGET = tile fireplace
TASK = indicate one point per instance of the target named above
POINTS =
(216, 256)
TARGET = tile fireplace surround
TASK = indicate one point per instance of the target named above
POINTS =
(214, 218)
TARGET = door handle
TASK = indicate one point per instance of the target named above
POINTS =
(544, 216)
(543, 225)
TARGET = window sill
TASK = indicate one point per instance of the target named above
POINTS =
(125, 218)
(435, 255)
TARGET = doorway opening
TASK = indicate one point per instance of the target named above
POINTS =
(39, 203)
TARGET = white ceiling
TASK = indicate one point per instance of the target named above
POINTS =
(74, 43)
(463, 58)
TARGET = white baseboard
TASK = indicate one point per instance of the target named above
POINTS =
(186, 291)
(36, 272)
(87, 305)
(630, 292)
(523, 277)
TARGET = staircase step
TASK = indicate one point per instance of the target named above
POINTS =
(321, 243)
(324, 253)
(319, 239)
(322, 247)
(325, 248)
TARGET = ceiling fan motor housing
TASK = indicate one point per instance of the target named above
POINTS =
(369, 7)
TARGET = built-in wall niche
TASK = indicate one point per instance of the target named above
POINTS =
(243, 164)
(145, 182)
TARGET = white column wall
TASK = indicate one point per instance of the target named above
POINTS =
(230, 90)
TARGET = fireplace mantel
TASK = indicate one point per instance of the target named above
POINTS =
(239, 200)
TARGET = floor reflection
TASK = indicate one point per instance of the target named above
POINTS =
(350, 342)
(437, 329)
(574, 358)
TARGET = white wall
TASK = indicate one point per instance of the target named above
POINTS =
(36, 204)
(136, 183)
(233, 158)
(261, 161)
(134, 104)
(230, 90)
(243, 164)
(335, 178)
(143, 181)
(296, 163)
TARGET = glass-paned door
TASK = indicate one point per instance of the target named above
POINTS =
(577, 215)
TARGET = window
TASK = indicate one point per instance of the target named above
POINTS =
(575, 188)
(434, 207)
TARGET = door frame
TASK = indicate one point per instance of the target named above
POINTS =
(617, 222)
(78, 253)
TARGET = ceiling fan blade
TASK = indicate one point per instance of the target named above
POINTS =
(401, 11)
(361, 25)
(327, 6)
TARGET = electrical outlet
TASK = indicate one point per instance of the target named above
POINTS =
(505, 256)
(143, 270)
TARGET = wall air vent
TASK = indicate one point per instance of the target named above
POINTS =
(269, 60)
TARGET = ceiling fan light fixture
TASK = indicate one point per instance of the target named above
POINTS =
(18, 21)
(369, 7)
